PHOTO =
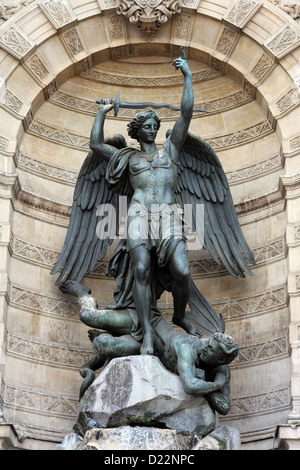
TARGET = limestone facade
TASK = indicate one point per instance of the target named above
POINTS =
(56, 58)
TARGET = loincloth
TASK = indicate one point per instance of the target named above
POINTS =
(161, 229)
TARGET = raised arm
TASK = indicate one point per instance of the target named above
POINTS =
(97, 144)
(181, 126)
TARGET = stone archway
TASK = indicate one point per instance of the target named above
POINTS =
(56, 57)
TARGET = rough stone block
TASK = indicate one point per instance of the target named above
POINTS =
(140, 391)
(150, 438)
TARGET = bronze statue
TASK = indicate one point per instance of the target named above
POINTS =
(152, 257)
(201, 363)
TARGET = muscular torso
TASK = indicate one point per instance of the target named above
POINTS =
(153, 177)
(172, 346)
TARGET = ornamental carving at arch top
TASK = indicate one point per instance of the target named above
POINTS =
(292, 7)
(148, 15)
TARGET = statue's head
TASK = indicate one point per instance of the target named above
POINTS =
(134, 126)
(219, 349)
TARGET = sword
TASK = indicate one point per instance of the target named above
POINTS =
(145, 104)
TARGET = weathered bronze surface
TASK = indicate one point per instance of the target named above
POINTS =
(152, 257)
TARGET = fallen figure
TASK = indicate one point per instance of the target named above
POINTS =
(201, 362)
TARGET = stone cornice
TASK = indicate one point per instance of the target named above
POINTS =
(97, 75)
(222, 142)
(7, 181)
(291, 184)
(273, 251)
(291, 146)
(69, 176)
(37, 205)
(214, 106)
(256, 170)
(55, 306)
(34, 253)
(60, 355)
(45, 170)
(260, 352)
(41, 352)
(59, 212)
(257, 304)
(273, 200)
(231, 309)
(259, 404)
(39, 402)
(42, 402)
(61, 136)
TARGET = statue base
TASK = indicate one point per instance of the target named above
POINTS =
(140, 391)
(128, 438)
(135, 403)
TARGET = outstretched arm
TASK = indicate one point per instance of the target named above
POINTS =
(97, 144)
(181, 127)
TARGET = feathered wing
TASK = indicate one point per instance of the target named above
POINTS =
(82, 247)
(202, 180)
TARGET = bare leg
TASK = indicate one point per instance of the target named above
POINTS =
(141, 292)
(118, 322)
(75, 288)
(179, 269)
(110, 346)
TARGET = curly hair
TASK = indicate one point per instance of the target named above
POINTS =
(138, 120)
(228, 345)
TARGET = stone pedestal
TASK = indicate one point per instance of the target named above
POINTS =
(135, 403)
(128, 438)
(140, 391)
(142, 438)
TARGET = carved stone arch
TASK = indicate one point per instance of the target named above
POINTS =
(55, 57)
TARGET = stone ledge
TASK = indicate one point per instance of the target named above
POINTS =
(11, 439)
(147, 438)
(289, 435)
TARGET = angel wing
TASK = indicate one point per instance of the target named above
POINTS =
(82, 247)
(202, 180)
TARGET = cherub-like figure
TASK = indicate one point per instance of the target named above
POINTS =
(152, 257)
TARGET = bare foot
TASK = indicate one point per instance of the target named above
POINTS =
(92, 334)
(74, 288)
(147, 346)
(186, 325)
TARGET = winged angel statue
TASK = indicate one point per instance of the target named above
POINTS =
(152, 257)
